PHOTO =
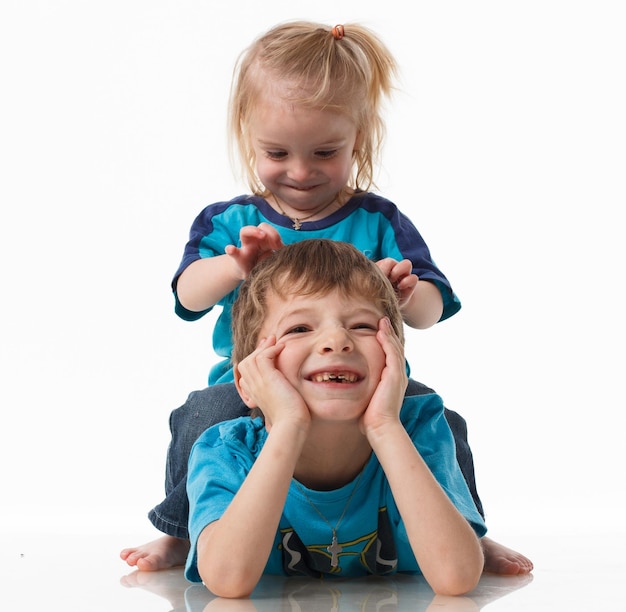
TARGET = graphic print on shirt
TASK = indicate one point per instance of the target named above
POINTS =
(370, 553)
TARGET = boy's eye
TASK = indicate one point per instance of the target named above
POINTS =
(365, 326)
(298, 329)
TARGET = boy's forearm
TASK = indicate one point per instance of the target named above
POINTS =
(206, 281)
(425, 307)
(445, 545)
(233, 551)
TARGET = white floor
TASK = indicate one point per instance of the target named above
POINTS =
(71, 573)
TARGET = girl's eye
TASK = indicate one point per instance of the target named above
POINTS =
(276, 155)
(326, 154)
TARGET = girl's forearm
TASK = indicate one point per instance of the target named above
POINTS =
(206, 281)
(425, 307)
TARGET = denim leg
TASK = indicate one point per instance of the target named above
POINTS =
(464, 455)
(201, 410)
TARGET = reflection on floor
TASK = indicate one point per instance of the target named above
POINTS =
(68, 573)
(273, 593)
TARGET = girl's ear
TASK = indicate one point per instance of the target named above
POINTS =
(358, 143)
(247, 400)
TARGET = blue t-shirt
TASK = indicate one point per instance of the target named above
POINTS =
(370, 222)
(371, 534)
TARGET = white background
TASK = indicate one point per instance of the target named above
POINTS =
(506, 146)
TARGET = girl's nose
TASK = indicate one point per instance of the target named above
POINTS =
(299, 170)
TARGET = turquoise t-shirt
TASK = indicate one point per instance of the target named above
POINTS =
(371, 534)
(370, 222)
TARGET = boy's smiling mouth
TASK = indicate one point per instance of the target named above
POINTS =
(338, 377)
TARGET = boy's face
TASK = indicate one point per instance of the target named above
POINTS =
(303, 155)
(331, 355)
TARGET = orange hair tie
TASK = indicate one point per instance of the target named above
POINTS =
(338, 32)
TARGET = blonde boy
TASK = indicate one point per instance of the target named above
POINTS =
(341, 475)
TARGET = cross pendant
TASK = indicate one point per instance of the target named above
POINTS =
(296, 224)
(334, 549)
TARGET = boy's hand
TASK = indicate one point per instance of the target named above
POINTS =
(384, 407)
(257, 242)
(265, 387)
(400, 273)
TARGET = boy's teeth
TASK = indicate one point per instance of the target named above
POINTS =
(339, 377)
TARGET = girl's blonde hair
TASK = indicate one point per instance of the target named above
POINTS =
(309, 267)
(350, 74)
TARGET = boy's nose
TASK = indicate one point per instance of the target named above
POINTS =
(336, 340)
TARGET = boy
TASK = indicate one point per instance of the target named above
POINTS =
(341, 475)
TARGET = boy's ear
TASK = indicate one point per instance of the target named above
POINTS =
(247, 400)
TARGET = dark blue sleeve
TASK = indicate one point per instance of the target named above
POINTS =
(402, 236)
(210, 232)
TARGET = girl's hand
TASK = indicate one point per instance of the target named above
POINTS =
(263, 386)
(400, 273)
(385, 405)
(257, 242)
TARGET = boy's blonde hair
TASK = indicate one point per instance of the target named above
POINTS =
(349, 75)
(309, 267)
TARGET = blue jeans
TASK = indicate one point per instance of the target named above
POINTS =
(222, 402)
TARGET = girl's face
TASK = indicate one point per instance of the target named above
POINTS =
(303, 155)
(331, 353)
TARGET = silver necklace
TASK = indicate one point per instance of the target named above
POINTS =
(297, 221)
(334, 548)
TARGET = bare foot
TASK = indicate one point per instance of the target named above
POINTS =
(159, 554)
(502, 560)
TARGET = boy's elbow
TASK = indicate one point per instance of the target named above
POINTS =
(455, 585)
(225, 577)
(230, 591)
(458, 580)
(230, 586)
